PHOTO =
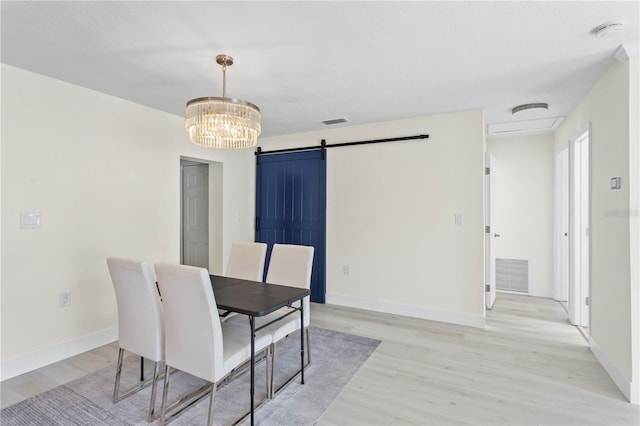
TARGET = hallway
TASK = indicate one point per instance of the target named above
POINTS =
(528, 366)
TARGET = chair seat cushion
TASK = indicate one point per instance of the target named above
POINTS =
(237, 343)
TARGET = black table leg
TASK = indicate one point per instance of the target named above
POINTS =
(302, 340)
(142, 369)
(253, 361)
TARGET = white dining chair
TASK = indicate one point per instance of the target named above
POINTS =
(289, 265)
(246, 260)
(196, 342)
(140, 321)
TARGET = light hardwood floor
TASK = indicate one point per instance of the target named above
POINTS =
(528, 366)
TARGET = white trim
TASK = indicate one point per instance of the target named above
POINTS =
(478, 321)
(631, 391)
(626, 51)
(24, 364)
(576, 296)
(561, 225)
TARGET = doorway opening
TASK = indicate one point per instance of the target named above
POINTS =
(579, 234)
(201, 214)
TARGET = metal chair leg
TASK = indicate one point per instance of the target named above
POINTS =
(272, 390)
(165, 393)
(154, 387)
(271, 366)
(211, 401)
(267, 368)
(153, 381)
(184, 402)
(116, 388)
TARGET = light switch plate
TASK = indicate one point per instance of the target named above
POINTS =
(30, 220)
(616, 182)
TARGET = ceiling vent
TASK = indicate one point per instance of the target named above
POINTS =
(539, 125)
(335, 121)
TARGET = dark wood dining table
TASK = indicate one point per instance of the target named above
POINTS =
(256, 299)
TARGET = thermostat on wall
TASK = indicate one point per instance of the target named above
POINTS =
(615, 183)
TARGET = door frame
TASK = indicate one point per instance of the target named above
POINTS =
(561, 287)
(580, 228)
(215, 212)
(490, 254)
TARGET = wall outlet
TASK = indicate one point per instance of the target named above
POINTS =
(64, 299)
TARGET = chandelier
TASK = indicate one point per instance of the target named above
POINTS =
(214, 122)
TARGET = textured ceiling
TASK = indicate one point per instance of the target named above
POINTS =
(304, 62)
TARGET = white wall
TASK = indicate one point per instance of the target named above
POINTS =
(105, 175)
(611, 108)
(390, 216)
(523, 174)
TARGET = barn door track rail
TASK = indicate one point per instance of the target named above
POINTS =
(323, 145)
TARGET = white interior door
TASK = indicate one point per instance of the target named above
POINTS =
(585, 228)
(490, 255)
(579, 245)
(195, 215)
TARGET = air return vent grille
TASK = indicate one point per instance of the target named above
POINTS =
(512, 275)
(538, 125)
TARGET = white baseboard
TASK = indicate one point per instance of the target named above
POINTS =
(478, 321)
(24, 364)
(630, 390)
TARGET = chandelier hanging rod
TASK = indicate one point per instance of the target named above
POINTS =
(224, 61)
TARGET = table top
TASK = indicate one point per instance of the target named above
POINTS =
(253, 297)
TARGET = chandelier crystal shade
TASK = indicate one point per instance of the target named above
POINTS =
(221, 122)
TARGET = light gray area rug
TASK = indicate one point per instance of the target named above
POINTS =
(335, 358)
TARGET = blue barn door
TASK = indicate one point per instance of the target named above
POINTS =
(291, 206)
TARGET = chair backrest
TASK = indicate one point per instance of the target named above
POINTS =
(246, 260)
(140, 313)
(193, 334)
(291, 265)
